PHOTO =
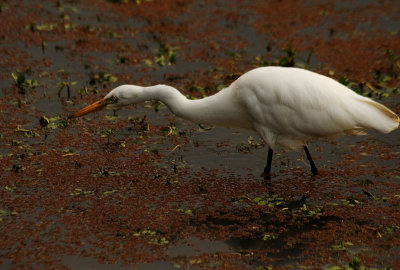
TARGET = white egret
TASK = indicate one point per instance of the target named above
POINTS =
(285, 106)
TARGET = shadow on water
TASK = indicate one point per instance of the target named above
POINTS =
(272, 234)
(193, 246)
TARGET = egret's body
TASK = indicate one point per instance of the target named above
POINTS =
(285, 106)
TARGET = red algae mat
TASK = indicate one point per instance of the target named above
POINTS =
(143, 189)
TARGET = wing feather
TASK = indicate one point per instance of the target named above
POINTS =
(298, 105)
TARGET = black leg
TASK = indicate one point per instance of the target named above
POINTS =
(267, 170)
(314, 169)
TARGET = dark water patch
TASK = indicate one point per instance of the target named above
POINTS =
(195, 246)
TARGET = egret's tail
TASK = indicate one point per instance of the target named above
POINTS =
(377, 116)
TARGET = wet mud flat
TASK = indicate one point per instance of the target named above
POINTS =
(143, 189)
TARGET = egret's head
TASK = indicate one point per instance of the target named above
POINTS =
(123, 95)
(118, 97)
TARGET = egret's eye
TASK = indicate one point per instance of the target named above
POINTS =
(112, 100)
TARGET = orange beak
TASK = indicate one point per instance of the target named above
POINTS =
(98, 105)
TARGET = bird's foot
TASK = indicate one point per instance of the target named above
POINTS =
(314, 171)
(266, 176)
(303, 199)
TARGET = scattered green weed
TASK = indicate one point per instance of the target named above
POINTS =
(152, 237)
(102, 77)
(251, 143)
(289, 59)
(23, 83)
(342, 245)
(101, 172)
(166, 56)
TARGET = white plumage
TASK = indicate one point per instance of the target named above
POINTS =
(290, 106)
(285, 106)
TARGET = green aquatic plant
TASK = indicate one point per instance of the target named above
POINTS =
(165, 56)
(102, 77)
(289, 59)
(66, 85)
(23, 83)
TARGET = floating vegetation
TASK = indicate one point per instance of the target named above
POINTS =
(23, 83)
(3, 7)
(350, 202)
(376, 198)
(269, 200)
(44, 121)
(392, 229)
(345, 81)
(11, 189)
(112, 34)
(27, 133)
(66, 85)
(69, 152)
(140, 125)
(305, 211)
(251, 143)
(269, 236)
(101, 172)
(261, 61)
(41, 27)
(53, 122)
(17, 168)
(166, 56)
(108, 133)
(4, 213)
(171, 130)
(342, 245)
(152, 237)
(186, 211)
(82, 91)
(378, 88)
(123, 60)
(110, 191)
(102, 77)
(289, 59)
(81, 192)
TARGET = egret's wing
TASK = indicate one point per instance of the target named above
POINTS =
(298, 105)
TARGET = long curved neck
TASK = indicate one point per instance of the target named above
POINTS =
(218, 109)
(168, 95)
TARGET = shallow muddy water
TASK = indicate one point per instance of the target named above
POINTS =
(143, 189)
